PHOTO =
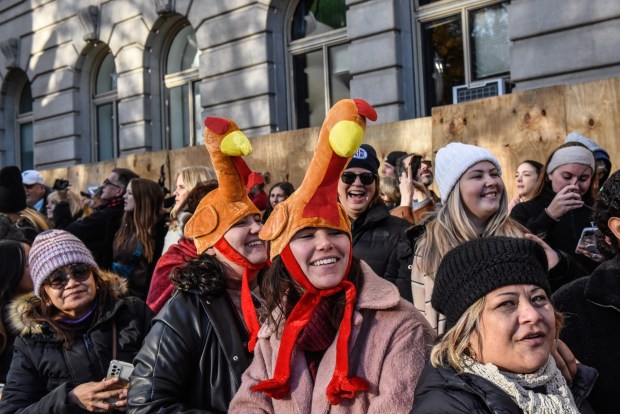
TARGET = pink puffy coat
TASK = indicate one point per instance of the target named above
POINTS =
(389, 345)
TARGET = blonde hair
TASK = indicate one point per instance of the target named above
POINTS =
(191, 177)
(36, 219)
(451, 227)
(389, 187)
(456, 342)
(75, 204)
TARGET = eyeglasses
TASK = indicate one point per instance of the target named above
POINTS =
(59, 279)
(348, 177)
(108, 182)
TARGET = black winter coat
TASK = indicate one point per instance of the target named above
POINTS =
(377, 237)
(192, 359)
(97, 232)
(43, 371)
(442, 390)
(561, 235)
(591, 306)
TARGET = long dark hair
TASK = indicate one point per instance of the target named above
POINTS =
(203, 274)
(142, 221)
(281, 292)
(288, 189)
(12, 265)
(48, 314)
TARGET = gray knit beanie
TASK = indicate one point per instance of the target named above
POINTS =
(475, 268)
(53, 249)
(453, 160)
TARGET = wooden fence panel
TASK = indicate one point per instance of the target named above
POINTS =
(515, 127)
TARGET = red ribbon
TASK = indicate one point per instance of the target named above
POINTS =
(341, 385)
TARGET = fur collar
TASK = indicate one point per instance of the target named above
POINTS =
(21, 309)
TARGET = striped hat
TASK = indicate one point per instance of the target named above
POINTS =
(53, 249)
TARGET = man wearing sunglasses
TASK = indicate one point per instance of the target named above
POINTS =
(376, 234)
(97, 230)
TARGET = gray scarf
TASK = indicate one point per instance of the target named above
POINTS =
(558, 397)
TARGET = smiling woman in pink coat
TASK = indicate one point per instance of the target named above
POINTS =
(337, 337)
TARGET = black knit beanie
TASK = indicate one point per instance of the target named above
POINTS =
(12, 194)
(365, 157)
(475, 268)
(393, 156)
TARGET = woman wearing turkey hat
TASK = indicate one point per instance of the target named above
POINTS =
(201, 341)
(337, 336)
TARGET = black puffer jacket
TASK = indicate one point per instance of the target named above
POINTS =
(561, 235)
(97, 232)
(591, 306)
(192, 359)
(376, 239)
(442, 390)
(43, 371)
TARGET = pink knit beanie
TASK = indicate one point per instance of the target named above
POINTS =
(53, 249)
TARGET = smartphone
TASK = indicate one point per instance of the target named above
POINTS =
(587, 241)
(121, 370)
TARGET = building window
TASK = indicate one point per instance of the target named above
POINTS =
(460, 43)
(105, 108)
(24, 127)
(319, 54)
(182, 93)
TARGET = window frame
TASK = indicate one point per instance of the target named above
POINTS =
(23, 119)
(97, 100)
(187, 77)
(313, 43)
(437, 11)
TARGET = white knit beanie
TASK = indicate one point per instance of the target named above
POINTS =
(53, 249)
(453, 160)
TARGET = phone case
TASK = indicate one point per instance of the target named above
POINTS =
(587, 241)
(120, 369)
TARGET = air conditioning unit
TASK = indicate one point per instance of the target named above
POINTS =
(478, 90)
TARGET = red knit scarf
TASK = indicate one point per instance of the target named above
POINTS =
(247, 304)
(341, 385)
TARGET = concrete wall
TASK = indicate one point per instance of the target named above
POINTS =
(563, 41)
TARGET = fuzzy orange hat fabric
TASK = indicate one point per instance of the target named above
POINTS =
(315, 202)
(229, 203)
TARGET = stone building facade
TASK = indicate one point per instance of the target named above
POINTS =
(87, 81)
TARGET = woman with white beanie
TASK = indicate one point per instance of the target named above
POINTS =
(562, 203)
(76, 321)
(474, 204)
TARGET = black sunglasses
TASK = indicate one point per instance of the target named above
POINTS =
(79, 273)
(108, 182)
(349, 177)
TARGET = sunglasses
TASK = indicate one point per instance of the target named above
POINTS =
(348, 177)
(78, 272)
(108, 182)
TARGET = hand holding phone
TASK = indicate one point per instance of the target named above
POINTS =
(587, 244)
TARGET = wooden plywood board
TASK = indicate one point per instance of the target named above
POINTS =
(514, 127)
(592, 109)
(413, 135)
